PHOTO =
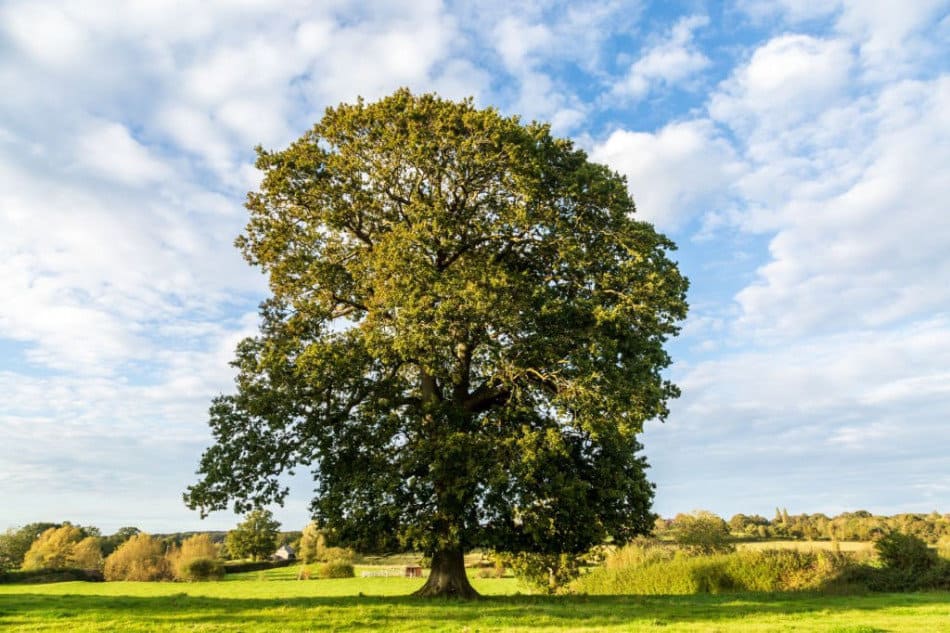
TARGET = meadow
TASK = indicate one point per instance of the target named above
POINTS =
(276, 601)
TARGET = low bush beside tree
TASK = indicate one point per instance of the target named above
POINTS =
(197, 569)
(194, 559)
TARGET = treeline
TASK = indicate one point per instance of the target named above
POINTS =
(50, 546)
(847, 526)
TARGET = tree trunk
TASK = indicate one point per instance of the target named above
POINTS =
(447, 578)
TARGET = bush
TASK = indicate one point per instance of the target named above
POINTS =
(907, 565)
(336, 555)
(241, 567)
(44, 576)
(139, 558)
(196, 547)
(198, 569)
(335, 569)
(656, 571)
(549, 573)
(638, 553)
(905, 552)
(943, 547)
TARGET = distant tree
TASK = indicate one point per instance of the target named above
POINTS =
(86, 554)
(701, 531)
(111, 543)
(139, 558)
(738, 523)
(195, 547)
(313, 542)
(53, 549)
(255, 538)
(14, 543)
(465, 338)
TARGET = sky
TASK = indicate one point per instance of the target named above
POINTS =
(798, 153)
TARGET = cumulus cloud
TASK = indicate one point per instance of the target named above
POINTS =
(674, 173)
(858, 241)
(829, 413)
(109, 150)
(832, 369)
(666, 63)
(789, 79)
(125, 152)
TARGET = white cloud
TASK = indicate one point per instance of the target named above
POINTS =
(109, 149)
(789, 79)
(125, 144)
(667, 63)
(873, 252)
(669, 172)
(843, 408)
(891, 38)
(45, 32)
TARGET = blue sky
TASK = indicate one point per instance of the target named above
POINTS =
(798, 152)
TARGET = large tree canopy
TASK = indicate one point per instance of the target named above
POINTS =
(464, 339)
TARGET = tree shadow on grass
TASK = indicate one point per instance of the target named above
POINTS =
(31, 610)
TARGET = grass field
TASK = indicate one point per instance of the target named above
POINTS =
(274, 601)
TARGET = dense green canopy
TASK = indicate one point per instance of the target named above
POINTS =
(464, 339)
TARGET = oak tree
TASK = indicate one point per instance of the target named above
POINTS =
(255, 537)
(464, 337)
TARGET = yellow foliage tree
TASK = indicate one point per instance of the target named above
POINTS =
(86, 554)
(53, 548)
(193, 548)
(312, 543)
(139, 558)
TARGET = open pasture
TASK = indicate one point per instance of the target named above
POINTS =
(275, 601)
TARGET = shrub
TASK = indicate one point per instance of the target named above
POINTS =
(335, 569)
(943, 547)
(653, 571)
(337, 555)
(907, 565)
(44, 576)
(196, 547)
(638, 553)
(139, 558)
(905, 552)
(545, 572)
(197, 569)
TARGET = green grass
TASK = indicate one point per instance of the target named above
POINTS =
(274, 601)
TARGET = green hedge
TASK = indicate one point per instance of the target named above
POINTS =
(202, 569)
(259, 565)
(335, 569)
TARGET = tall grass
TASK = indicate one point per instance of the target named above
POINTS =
(650, 570)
